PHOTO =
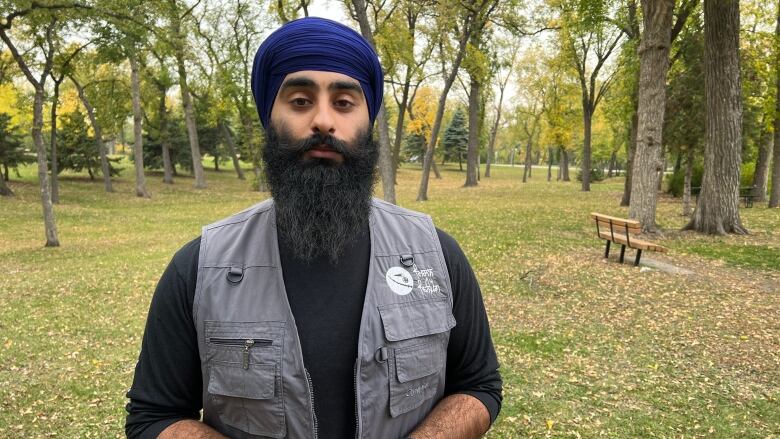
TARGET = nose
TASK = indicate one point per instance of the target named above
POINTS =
(323, 121)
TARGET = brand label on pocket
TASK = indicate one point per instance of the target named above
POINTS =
(399, 280)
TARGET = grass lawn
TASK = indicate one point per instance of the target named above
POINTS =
(588, 348)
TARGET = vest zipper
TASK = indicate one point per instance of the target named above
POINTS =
(357, 419)
(248, 344)
(311, 401)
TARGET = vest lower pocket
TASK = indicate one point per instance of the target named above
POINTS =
(415, 372)
(248, 399)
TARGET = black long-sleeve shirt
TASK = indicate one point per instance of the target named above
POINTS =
(167, 385)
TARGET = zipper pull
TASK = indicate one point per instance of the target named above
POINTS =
(247, 345)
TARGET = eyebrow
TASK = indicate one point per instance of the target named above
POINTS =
(346, 86)
(299, 82)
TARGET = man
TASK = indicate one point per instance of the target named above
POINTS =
(322, 312)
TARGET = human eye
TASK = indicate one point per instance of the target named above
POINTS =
(343, 104)
(300, 102)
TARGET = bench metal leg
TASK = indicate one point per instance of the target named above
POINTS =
(638, 256)
(606, 252)
(622, 252)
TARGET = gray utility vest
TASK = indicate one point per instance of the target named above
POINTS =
(254, 381)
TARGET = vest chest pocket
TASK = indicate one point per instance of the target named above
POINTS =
(417, 333)
(245, 385)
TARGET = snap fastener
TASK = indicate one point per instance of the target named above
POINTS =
(235, 275)
(380, 355)
(407, 260)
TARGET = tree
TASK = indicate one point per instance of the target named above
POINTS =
(158, 128)
(96, 127)
(232, 33)
(588, 41)
(404, 58)
(138, 148)
(12, 152)
(463, 25)
(456, 137)
(476, 64)
(77, 149)
(359, 12)
(653, 68)
(717, 211)
(505, 72)
(560, 115)
(177, 40)
(685, 100)
(774, 199)
(63, 67)
(40, 21)
(532, 93)
(414, 146)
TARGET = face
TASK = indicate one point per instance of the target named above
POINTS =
(313, 102)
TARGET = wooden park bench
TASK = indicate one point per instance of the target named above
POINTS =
(746, 194)
(621, 231)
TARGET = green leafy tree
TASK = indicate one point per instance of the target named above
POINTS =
(455, 139)
(414, 146)
(77, 151)
(173, 138)
(12, 151)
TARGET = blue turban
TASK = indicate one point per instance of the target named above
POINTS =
(315, 44)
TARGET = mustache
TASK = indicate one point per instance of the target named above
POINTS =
(314, 141)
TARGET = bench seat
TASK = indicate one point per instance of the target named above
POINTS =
(635, 242)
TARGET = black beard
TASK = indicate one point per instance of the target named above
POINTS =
(321, 205)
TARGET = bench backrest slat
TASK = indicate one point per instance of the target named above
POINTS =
(616, 225)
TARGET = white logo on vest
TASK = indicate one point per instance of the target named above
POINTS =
(399, 280)
(426, 281)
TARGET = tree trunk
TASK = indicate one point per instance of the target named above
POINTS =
(774, 198)
(626, 200)
(49, 222)
(761, 176)
(436, 173)
(5, 191)
(104, 166)
(399, 123)
(138, 140)
(687, 184)
(55, 181)
(587, 118)
(662, 171)
(653, 68)
(717, 211)
(168, 169)
(549, 163)
(422, 193)
(678, 163)
(473, 148)
(612, 160)
(189, 118)
(564, 165)
(386, 167)
(231, 149)
(494, 133)
(527, 167)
